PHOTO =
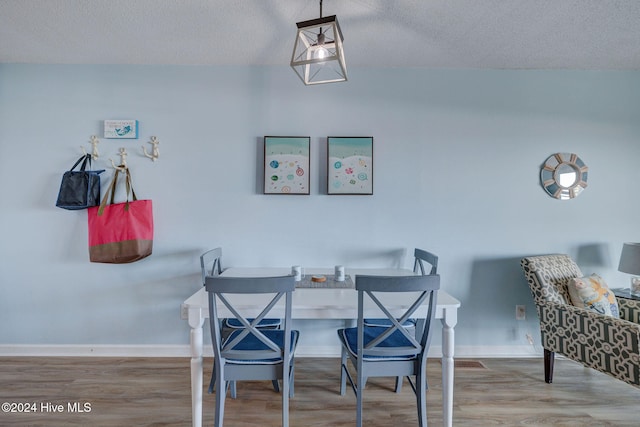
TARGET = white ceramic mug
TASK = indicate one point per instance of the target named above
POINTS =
(298, 272)
(339, 277)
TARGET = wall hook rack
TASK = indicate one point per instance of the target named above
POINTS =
(155, 152)
(123, 160)
(94, 147)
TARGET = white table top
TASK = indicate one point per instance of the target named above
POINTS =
(319, 303)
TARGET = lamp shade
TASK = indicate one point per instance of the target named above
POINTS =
(318, 56)
(630, 259)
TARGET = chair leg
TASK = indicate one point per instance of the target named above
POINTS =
(399, 384)
(213, 380)
(360, 387)
(234, 391)
(276, 384)
(421, 398)
(419, 327)
(231, 384)
(291, 377)
(343, 377)
(221, 392)
(548, 365)
(287, 390)
(285, 398)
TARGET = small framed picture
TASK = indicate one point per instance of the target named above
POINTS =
(350, 165)
(286, 164)
(121, 129)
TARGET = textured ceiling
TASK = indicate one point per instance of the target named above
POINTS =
(508, 34)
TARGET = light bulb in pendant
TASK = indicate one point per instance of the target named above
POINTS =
(320, 52)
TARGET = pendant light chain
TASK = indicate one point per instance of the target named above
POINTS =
(321, 36)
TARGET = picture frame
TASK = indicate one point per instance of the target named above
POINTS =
(350, 165)
(121, 129)
(287, 165)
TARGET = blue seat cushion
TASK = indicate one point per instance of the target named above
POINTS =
(234, 323)
(349, 338)
(251, 342)
(385, 323)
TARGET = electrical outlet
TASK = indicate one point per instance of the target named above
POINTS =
(184, 312)
(521, 312)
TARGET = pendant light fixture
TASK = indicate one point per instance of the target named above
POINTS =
(318, 56)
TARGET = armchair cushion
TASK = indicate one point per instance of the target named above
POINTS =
(592, 293)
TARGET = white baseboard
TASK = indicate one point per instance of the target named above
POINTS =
(436, 351)
(489, 352)
(105, 350)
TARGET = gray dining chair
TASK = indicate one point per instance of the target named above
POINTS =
(211, 265)
(252, 353)
(393, 351)
(421, 257)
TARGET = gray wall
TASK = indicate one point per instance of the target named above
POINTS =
(457, 155)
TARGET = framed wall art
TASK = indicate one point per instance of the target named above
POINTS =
(121, 129)
(286, 164)
(350, 165)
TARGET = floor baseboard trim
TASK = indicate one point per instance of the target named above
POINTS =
(152, 350)
(102, 350)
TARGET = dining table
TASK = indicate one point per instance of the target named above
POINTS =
(329, 299)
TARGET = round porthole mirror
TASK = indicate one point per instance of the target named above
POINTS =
(564, 176)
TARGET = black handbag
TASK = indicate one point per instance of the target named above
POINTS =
(80, 189)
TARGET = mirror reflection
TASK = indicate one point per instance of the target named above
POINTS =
(564, 176)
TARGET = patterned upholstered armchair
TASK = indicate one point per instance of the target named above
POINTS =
(605, 343)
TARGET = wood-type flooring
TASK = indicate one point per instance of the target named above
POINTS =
(83, 391)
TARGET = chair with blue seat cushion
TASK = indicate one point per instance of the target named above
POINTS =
(393, 351)
(250, 352)
(422, 257)
(211, 265)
